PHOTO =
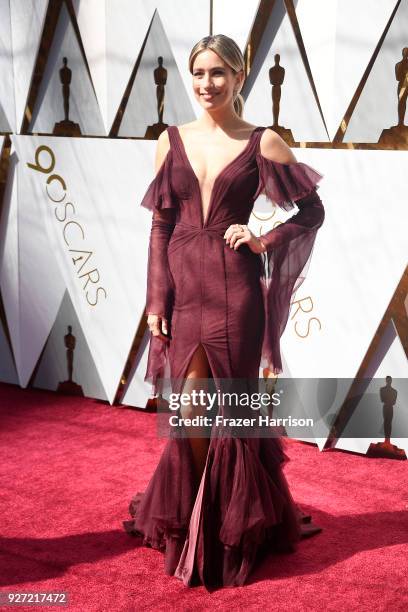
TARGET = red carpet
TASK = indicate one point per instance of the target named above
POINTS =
(70, 466)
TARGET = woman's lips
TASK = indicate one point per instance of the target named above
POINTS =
(208, 96)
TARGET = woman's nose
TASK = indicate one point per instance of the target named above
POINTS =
(207, 81)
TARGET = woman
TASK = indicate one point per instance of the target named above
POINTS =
(214, 504)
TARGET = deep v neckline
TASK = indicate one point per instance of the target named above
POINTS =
(218, 176)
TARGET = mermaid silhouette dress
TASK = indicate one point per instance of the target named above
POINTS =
(234, 303)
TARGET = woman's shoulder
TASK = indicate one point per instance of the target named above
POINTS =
(273, 147)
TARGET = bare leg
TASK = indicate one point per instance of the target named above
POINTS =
(198, 368)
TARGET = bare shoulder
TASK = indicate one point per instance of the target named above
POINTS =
(163, 141)
(162, 148)
(273, 147)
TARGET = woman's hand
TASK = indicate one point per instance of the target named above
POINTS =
(238, 234)
(158, 326)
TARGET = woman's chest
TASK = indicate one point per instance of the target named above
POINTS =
(237, 182)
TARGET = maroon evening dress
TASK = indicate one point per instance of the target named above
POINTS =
(236, 304)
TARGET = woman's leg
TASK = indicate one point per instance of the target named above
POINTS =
(198, 369)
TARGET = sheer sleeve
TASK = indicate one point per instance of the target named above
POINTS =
(160, 199)
(159, 292)
(289, 246)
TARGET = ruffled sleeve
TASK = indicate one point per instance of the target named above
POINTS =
(159, 193)
(160, 291)
(283, 184)
(289, 246)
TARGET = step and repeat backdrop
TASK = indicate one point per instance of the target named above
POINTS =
(87, 86)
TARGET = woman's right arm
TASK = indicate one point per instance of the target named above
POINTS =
(159, 293)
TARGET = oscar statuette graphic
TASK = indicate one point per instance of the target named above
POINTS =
(398, 134)
(276, 78)
(69, 387)
(66, 127)
(160, 78)
(388, 397)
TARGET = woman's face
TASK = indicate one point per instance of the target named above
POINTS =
(214, 81)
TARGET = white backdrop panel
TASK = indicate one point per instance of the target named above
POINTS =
(234, 19)
(339, 48)
(321, 46)
(53, 366)
(9, 259)
(7, 108)
(92, 26)
(41, 286)
(370, 407)
(83, 105)
(377, 106)
(100, 214)
(394, 363)
(8, 246)
(298, 108)
(127, 24)
(27, 21)
(141, 107)
(358, 258)
(4, 124)
(386, 356)
(137, 392)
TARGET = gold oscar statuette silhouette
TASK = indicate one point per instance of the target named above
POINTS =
(388, 397)
(160, 78)
(66, 127)
(397, 135)
(276, 78)
(69, 387)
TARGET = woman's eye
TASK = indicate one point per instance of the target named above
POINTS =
(196, 74)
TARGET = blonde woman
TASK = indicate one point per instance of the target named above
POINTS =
(215, 310)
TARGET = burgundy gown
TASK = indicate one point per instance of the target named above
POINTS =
(236, 304)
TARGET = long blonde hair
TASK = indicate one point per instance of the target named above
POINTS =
(228, 50)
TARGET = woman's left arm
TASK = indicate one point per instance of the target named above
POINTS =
(309, 218)
(286, 181)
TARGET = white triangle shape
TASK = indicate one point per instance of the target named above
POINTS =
(83, 105)
(141, 107)
(53, 366)
(9, 257)
(337, 54)
(127, 24)
(374, 112)
(304, 120)
(7, 107)
(38, 273)
(91, 20)
(27, 22)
